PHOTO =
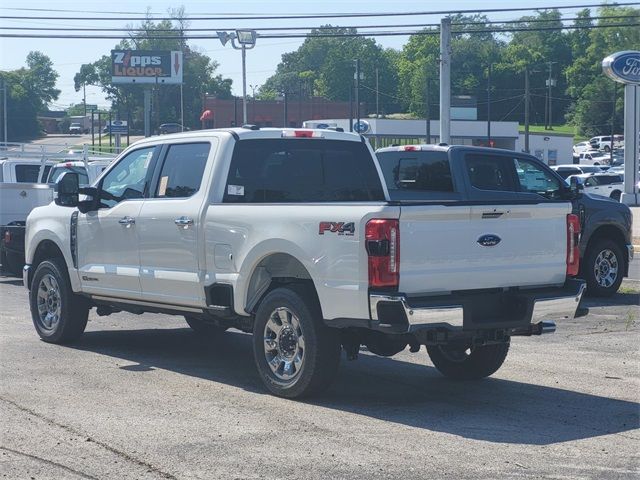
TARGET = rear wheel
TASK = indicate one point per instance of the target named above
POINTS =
(295, 353)
(59, 315)
(603, 268)
(468, 362)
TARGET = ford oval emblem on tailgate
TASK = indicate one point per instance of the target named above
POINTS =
(489, 240)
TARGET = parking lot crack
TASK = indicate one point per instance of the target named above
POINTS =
(49, 462)
(104, 445)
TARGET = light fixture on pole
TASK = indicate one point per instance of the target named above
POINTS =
(241, 40)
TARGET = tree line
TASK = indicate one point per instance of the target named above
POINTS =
(392, 81)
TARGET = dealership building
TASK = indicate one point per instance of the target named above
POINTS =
(553, 149)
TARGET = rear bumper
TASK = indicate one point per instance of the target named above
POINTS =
(513, 309)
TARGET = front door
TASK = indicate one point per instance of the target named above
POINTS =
(107, 238)
(169, 227)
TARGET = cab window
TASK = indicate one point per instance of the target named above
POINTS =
(182, 170)
(533, 178)
(128, 179)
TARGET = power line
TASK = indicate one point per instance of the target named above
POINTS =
(337, 27)
(326, 15)
(320, 35)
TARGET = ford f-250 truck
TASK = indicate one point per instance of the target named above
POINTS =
(290, 234)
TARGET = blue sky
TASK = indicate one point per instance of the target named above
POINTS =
(68, 55)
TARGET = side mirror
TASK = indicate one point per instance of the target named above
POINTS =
(575, 185)
(68, 188)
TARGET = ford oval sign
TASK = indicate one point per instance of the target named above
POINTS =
(623, 67)
(489, 240)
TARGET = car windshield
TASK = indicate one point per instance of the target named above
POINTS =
(594, 169)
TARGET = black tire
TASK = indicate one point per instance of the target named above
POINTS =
(73, 309)
(204, 328)
(470, 363)
(321, 344)
(603, 251)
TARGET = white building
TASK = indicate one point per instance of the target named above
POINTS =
(551, 148)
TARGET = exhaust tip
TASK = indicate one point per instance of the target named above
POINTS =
(547, 327)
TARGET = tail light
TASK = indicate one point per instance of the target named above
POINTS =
(573, 237)
(382, 240)
(7, 237)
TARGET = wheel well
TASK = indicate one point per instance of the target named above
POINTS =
(45, 250)
(275, 270)
(612, 233)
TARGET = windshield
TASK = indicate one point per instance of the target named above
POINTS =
(56, 173)
(594, 169)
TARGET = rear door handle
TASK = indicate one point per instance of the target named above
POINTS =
(183, 222)
(127, 221)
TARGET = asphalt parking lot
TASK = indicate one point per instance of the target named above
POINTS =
(143, 397)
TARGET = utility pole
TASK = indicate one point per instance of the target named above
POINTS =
(489, 106)
(244, 85)
(377, 95)
(351, 106)
(4, 110)
(147, 112)
(84, 95)
(445, 80)
(549, 116)
(526, 109)
(358, 93)
(427, 105)
(286, 113)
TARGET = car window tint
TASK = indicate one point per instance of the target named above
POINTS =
(490, 172)
(301, 170)
(27, 173)
(127, 179)
(182, 170)
(533, 178)
(422, 171)
(609, 179)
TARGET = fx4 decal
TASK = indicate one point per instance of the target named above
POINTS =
(341, 228)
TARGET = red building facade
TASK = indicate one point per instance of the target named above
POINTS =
(271, 113)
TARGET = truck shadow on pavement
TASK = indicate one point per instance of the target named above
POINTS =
(415, 395)
(619, 299)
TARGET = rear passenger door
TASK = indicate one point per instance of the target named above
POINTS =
(170, 225)
(520, 202)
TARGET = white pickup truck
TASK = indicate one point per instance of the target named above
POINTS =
(290, 234)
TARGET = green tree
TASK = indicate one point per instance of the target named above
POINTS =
(199, 76)
(325, 66)
(593, 92)
(29, 91)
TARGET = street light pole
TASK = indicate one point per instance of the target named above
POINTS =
(244, 85)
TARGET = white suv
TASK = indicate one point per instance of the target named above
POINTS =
(604, 142)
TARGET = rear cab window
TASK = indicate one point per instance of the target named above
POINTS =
(56, 173)
(29, 173)
(301, 171)
(417, 175)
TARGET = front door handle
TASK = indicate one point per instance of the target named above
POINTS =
(127, 221)
(184, 222)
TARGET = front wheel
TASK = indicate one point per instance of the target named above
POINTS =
(295, 353)
(603, 268)
(59, 315)
(468, 362)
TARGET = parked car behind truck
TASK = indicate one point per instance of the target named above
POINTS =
(605, 244)
(291, 234)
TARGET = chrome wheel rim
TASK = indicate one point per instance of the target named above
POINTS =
(606, 268)
(284, 344)
(49, 303)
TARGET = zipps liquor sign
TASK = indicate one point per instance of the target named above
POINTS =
(146, 66)
(623, 67)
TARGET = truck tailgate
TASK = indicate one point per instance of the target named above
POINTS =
(446, 248)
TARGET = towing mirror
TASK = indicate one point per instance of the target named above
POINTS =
(575, 185)
(68, 188)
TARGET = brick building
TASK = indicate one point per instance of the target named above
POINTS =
(271, 113)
